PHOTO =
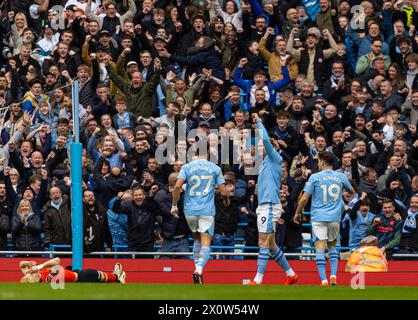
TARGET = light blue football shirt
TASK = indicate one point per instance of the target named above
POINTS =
(201, 177)
(358, 227)
(326, 187)
(270, 176)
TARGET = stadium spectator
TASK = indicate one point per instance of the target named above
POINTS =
(226, 219)
(386, 227)
(360, 218)
(141, 218)
(277, 58)
(57, 219)
(312, 58)
(109, 185)
(138, 95)
(118, 223)
(26, 228)
(409, 243)
(97, 236)
(259, 81)
(174, 230)
(4, 216)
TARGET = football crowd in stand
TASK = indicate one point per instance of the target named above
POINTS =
(319, 77)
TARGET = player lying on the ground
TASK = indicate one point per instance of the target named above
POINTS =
(46, 271)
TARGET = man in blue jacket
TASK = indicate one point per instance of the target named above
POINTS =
(364, 43)
(259, 81)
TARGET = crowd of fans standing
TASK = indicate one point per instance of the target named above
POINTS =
(336, 75)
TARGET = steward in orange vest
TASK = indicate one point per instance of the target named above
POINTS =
(368, 258)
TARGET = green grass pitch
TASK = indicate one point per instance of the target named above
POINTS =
(11, 291)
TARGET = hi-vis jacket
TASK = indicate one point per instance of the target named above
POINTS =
(367, 259)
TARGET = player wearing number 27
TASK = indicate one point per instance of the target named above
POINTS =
(327, 205)
(201, 177)
(269, 209)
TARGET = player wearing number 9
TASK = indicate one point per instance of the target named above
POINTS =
(327, 205)
(201, 177)
(269, 209)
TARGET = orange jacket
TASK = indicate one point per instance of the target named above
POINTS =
(367, 259)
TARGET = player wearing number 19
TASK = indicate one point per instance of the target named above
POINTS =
(201, 177)
(327, 205)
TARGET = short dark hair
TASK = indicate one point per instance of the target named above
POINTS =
(347, 151)
(91, 120)
(327, 157)
(63, 120)
(286, 89)
(360, 115)
(388, 201)
(338, 62)
(282, 113)
(35, 81)
(299, 97)
(259, 71)
(198, 16)
(380, 103)
(366, 202)
(138, 187)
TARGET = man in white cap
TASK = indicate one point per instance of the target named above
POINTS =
(45, 46)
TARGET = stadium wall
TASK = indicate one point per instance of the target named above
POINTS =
(401, 273)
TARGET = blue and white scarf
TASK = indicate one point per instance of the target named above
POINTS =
(410, 224)
(57, 205)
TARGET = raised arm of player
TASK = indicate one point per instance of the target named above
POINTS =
(49, 263)
(271, 152)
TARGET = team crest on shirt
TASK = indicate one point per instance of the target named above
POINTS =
(48, 278)
(391, 223)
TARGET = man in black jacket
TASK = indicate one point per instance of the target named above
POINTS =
(264, 108)
(96, 226)
(5, 215)
(337, 86)
(288, 138)
(64, 60)
(57, 219)
(141, 218)
(226, 219)
(188, 39)
(108, 186)
(140, 155)
(101, 103)
(174, 230)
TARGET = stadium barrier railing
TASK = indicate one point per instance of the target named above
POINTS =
(237, 251)
(51, 254)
